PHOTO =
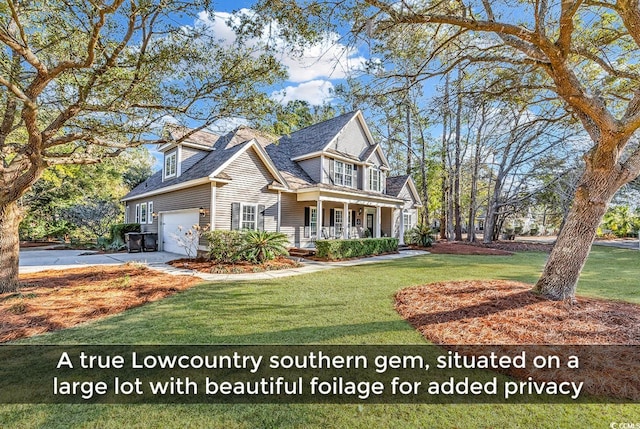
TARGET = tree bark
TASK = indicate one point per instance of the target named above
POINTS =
(562, 270)
(10, 216)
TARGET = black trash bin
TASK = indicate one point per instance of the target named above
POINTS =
(134, 241)
(150, 242)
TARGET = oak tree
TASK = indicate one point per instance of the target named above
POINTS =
(86, 80)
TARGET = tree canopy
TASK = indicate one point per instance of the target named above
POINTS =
(86, 80)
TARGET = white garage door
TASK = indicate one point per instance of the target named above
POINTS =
(171, 223)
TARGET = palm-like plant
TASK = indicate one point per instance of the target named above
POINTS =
(262, 246)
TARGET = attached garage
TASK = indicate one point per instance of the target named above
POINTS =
(170, 229)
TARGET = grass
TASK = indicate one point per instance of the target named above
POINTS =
(341, 306)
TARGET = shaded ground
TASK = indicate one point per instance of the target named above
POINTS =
(502, 248)
(55, 299)
(507, 312)
(241, 267)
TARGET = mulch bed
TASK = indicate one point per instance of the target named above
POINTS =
(508, 313)
(57, 299)
(241, 267)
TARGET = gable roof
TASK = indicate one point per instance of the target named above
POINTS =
(224, 150)
(395, 185)
(199, 138)
(314, 138)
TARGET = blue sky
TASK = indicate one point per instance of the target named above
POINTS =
(312, 77)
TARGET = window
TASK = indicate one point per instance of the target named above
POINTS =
(143, 213)
(338, 221)
(313, 220)
(249, 218)
(407, 221)
(150, 215)
(343, 173)
(137, 217)
(375, 179)
(170, 163)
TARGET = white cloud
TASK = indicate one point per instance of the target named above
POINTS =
(315, 92)
(329, 59)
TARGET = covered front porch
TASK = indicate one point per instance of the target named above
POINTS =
(336, 214)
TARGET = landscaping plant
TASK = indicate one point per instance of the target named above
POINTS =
(262, 246)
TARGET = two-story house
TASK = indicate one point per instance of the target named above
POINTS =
(329, 180)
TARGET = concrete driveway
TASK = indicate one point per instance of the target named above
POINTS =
(38, 260)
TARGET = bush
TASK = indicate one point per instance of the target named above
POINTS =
(342, 249)
(225, 247)
(118, 230)
(263, 246)
(419, 235)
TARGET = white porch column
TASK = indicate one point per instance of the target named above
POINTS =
(401, 231)
(279, 211)
(346, 225)
(319, 220)
(212, 208)
(378, 223)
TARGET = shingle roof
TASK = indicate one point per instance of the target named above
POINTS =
(214, 159)
(202, 137)
(315, 137)
(395, 184)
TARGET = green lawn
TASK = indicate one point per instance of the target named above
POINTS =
(342, 306)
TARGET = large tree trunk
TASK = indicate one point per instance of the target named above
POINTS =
(562, 270)
(10, 216)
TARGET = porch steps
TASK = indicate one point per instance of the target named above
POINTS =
(301, 253)
(403, 247)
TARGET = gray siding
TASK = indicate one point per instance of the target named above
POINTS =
(190, 156)
(190, 198)
(352, 139)
(313, 168)
(375, 158)
(249, 182)
(292, 222)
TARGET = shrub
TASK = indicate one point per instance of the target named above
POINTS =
(419, 235)
(118, 230)
(263, 246)
(341, 249)
(225, 247)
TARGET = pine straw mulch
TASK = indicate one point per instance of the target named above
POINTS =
(57, 299)
(241, 267)
(508, 313)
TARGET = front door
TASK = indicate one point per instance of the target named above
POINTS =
(370, 224)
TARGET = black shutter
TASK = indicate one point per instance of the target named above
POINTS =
(261, 217)
(307, 222)
(353, 218)
(331, 170)
(322, 223)
(331, 217)
(235, 216)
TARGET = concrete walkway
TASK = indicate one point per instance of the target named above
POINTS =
(36, 259)
(40, 260)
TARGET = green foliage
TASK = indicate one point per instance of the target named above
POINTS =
(342, 249)
(228, 247)
(94, 216)
(62, 188)
(118, 230)
(621, 221)
(419, 235)
(295, 115)
(225, 247)
(260, 246)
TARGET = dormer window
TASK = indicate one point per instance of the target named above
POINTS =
(170, 164)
